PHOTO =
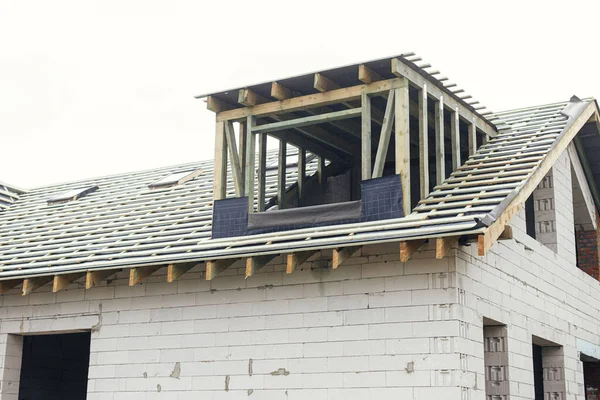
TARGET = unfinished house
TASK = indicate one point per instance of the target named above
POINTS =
(365, 232)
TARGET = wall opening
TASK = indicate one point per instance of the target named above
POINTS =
(548, 369)
(55, 367)
(530, 216)
(591, 377)
(538, 372)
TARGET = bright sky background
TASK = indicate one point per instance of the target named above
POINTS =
(90, 88)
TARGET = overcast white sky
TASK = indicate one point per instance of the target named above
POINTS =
(90, 88)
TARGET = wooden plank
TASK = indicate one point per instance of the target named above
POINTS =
(451, 100)
(253, 264)
(139, 274)
(250, 160)
(281, 174)
(402, 139)
(324, 84)
(262, 171)
(7, 285)
(295, 260)
(307, 121)
(366, 137)
(472, 139)
(384, 137)
(455, 139)
(174, 271)
(440, 156)
(443, 245)
(235, 159)
(63, 281)
(301, 172)
(408, 248)
(489, 236)
(249, 98)
(93, 278)
(342, 254)
(31, 284)
(220, 163)
(311, 100)
(367, 75)
(215, 267)
(423, 143)
(215, 105)
(280, 92)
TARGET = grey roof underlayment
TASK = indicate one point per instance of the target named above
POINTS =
(125, 224)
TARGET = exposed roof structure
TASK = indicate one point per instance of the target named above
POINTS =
(125, 224)
(8, 195)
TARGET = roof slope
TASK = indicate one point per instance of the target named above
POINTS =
(124, 224)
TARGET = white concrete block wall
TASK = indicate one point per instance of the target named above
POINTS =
(374, 328)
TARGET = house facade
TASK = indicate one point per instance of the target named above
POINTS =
(397, 243)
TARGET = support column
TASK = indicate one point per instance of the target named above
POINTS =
(402, 143)
(281, 171)
(220, 171)
(250, 160)
(366, 137)
(423, 143)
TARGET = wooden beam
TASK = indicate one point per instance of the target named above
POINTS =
(262, 171)
(249, 98)
(93, 278)
(443, 245)
(138, 274)
(342, 254)
(472, 138)
(174, 271)
(215, 267)
(235, 159)
(307, 121)
(250, 160)
(5, 286)
(281, 174)
(455, 139)
(324, 84)
(423, 143)
(440, 156)
(253, 264)
(489, 236)
(384, 137)
(366, 137)
(215, 105)
(311, 100)
(586, 192)
(280, 92)
(301, 183)
(507, 234)
(31, 284)
(63, 281)
(402, 142)
(367, 75)
(220, 163)
(407, 249)
(295, 260)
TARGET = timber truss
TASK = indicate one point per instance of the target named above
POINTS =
(348, 116)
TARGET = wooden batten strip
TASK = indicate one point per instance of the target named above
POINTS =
(93, 278)
(295, 260)
(215, 267)
(139, 274)
(5, 286)
(342, 254)
(174, 271)
(63, 281)
(31, 284)
(408, 248)
(443, 245)
(253, 264)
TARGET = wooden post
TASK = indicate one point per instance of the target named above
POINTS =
(402, 138)
(384, 138)
(320, 170)
(455, 137)
(281, 171)
(301, 172)
(366, 137)
(262, 170)
(472, 138)
(440, 157)
(423, 143)
(250, 158)
(235, 159)
(220, 171)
